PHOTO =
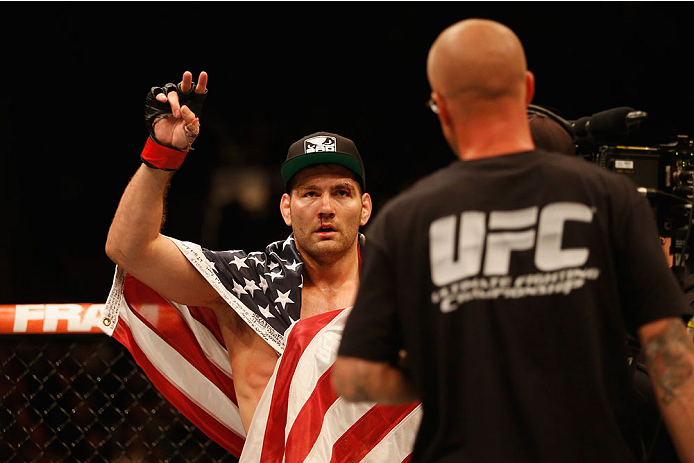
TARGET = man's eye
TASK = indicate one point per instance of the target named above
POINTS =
(310, 194)
(343, 192)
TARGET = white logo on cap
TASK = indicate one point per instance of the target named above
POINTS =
(320, 145)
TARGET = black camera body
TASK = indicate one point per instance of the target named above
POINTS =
(665, 175)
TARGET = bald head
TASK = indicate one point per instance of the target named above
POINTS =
(482, 58)
(481, 86)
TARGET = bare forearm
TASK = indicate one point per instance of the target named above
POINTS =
(139, 216)
(670, 361)
(362, 381)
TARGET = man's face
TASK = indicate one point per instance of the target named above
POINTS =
(325, 209)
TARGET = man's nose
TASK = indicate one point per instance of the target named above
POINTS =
(326, 206)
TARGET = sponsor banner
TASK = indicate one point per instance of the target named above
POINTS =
(50, 318)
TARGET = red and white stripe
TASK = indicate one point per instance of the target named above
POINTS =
(300, 419)
(181, 351)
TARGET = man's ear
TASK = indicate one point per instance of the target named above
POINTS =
(366, 207)
(285, 209)
(444, 115)
(529, 87)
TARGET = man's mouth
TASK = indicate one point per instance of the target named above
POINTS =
(325, 230)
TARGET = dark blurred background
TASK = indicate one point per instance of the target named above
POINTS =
(77, 74)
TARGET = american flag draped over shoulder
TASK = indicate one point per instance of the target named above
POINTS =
(264, 288)
(181, 350)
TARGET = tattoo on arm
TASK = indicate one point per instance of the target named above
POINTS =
(668, 361)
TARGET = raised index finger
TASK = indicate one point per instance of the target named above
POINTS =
(201, 86)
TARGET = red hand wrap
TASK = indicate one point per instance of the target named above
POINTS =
(161, 157)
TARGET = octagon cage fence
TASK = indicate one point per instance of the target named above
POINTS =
(69, 392)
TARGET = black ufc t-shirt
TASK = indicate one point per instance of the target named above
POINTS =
(511, 283)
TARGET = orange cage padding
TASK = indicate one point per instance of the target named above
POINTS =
(50, 318)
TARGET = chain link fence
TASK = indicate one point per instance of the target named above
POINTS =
(83, 398)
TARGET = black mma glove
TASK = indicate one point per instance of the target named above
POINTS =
(155, 110)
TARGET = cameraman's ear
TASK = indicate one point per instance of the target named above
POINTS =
(529, 87)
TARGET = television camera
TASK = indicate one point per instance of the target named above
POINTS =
(664, 172)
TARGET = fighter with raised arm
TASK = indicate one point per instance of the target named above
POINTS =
(325, 204)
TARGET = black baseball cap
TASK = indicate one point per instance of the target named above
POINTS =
(323, 148)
